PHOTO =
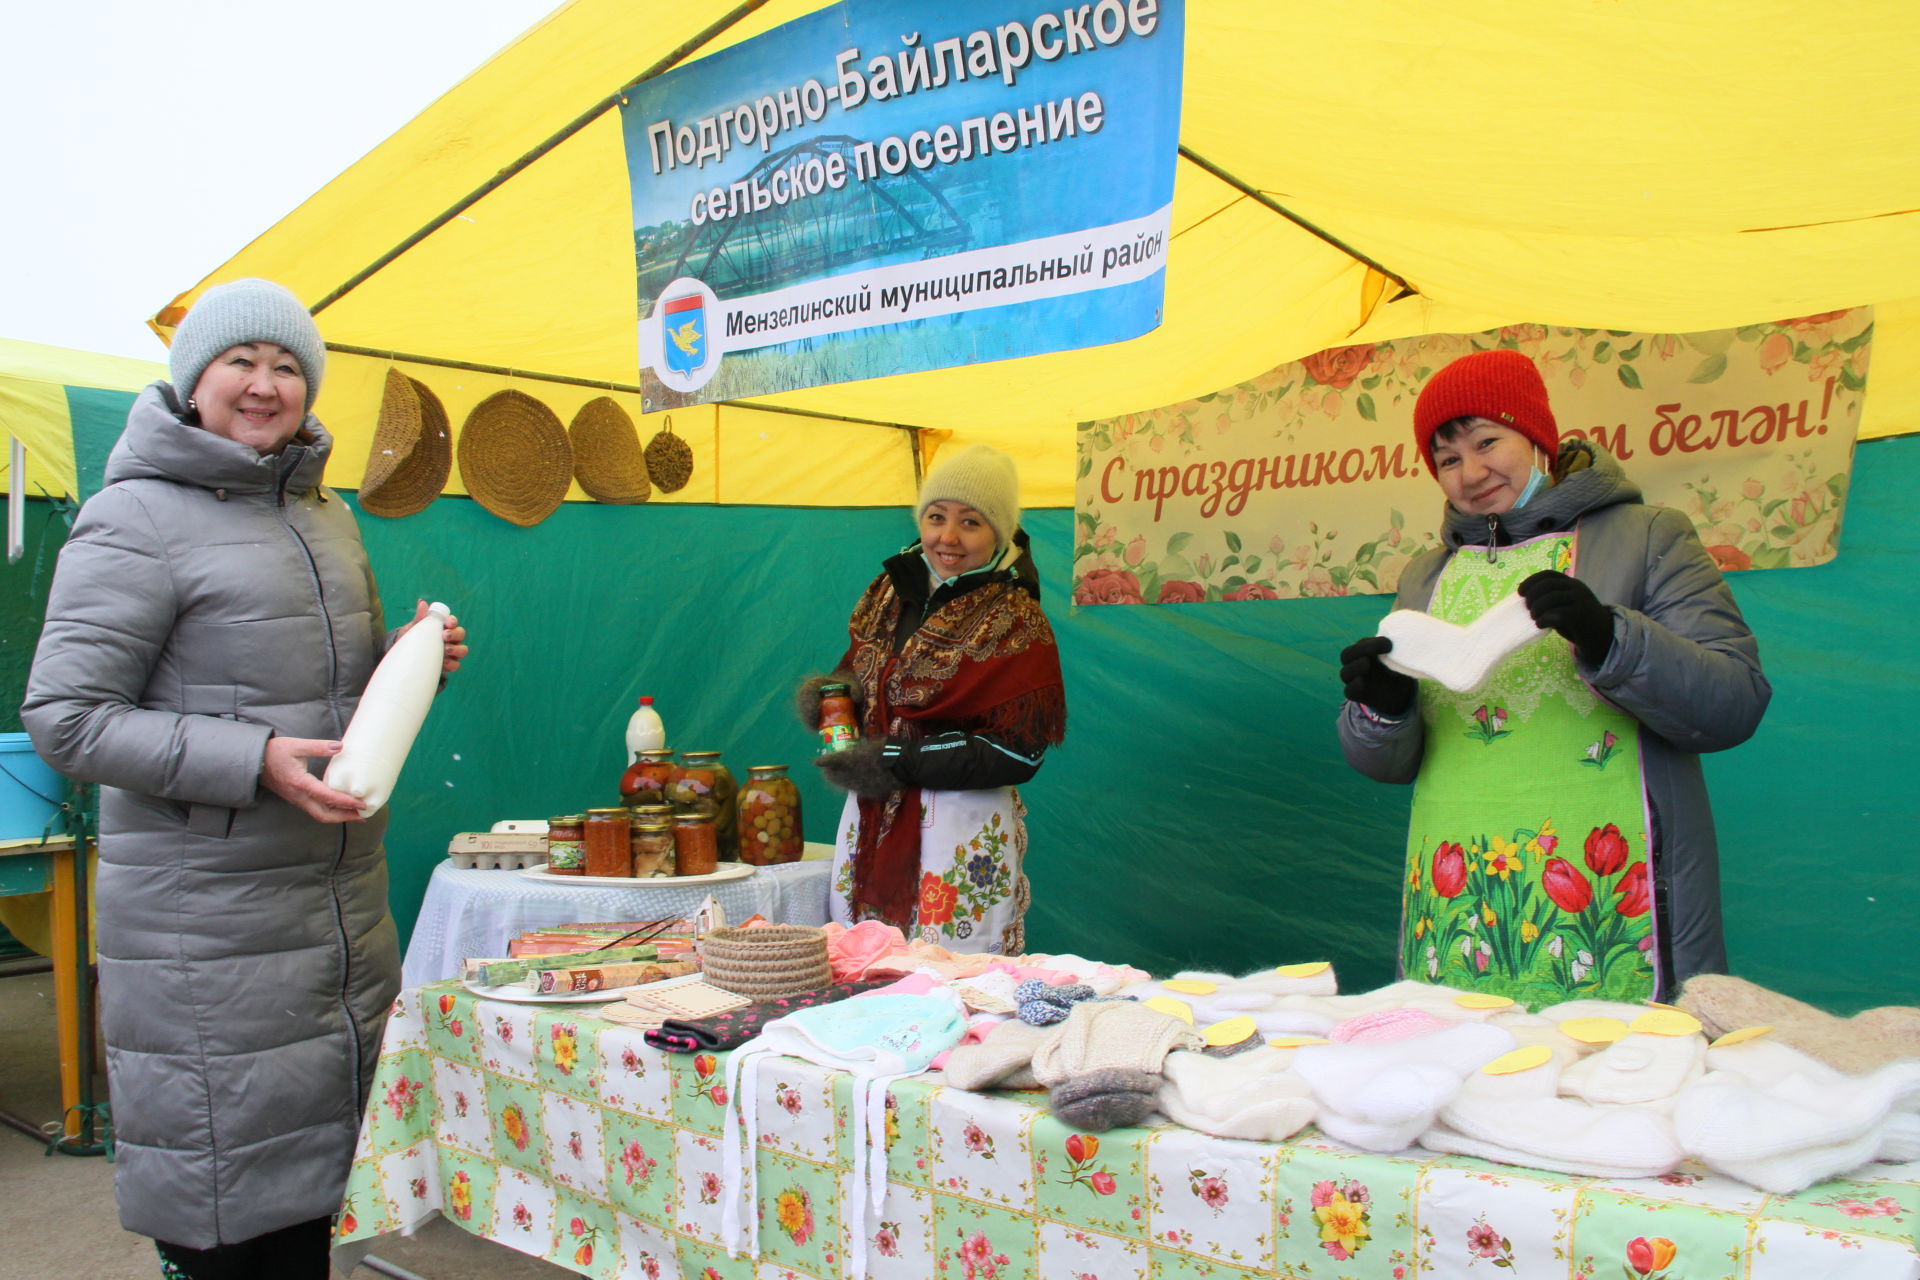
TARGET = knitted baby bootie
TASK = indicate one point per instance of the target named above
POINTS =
(1043, 1004)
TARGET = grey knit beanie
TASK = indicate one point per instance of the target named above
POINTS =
(983, 478)
(250, 310)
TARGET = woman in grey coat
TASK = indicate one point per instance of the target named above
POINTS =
(1562, 843)
(211, 626)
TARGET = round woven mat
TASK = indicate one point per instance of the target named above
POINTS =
(607, 460)
(766, 962)
(514, 457)
(412, 450)
(669, 460)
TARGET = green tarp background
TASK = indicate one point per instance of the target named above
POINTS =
(1199, 813)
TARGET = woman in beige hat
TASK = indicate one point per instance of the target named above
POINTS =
(956, 678)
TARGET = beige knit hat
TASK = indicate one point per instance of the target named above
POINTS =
(983, 478)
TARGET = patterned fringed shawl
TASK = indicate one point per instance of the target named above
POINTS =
(983, 662)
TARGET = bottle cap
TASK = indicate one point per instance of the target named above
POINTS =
(646, 699)
(836, 687)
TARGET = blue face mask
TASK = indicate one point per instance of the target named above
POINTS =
(1536, 481)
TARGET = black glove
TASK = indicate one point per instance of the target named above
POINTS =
(1568, 605)
(860, 769)
(1371, 682)
(806, 696)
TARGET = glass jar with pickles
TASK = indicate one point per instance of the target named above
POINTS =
(646, 779)
(704, 784)
(769, 820)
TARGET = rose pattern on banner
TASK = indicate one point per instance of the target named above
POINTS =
(1167, 512)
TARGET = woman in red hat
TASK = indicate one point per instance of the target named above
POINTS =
(1561, 843)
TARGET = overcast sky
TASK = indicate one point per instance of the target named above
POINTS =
(149, 140)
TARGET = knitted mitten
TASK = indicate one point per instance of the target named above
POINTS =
(1857, 1044)
(1108, 1098)
(1044, 1004)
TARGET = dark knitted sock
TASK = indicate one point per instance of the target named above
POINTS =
(1110, 1098)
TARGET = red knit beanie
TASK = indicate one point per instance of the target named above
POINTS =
(1501, 386)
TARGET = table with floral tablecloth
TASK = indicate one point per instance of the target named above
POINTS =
(566, 1137)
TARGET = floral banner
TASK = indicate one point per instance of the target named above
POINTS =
(1305, 480)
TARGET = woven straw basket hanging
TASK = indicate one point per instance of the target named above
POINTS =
(766, 961)
(514, 457)
(412, 450)
(607, 460)
(669, 460)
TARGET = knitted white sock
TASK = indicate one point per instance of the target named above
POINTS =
(1003, 1060)
(1100, 1035)
(1381, 1096)
(1250, 1095)
(1637, 1068)
(1461, 658)
(1767, 1061)
(1516, 1119)
(1725, 1118)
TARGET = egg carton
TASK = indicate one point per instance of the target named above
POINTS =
(501, 851)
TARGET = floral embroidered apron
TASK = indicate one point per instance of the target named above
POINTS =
(973, 896)
(1527, 870)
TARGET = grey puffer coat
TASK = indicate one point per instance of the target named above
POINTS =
(1683, 664)
(208, 599)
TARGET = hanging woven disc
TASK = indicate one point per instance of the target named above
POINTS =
(412, 450)
(514, 457)
(669, 460)
(607, 460)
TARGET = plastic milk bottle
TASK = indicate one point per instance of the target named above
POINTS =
(644, 731)
(390, 713)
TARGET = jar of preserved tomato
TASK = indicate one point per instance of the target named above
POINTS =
(566, 850)
(652, 843)
(839, 729)
(770, 817)
(703, 782)
(696, 845)
(609, 839)
(646, 779)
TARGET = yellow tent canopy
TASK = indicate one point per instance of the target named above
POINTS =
(1370, 170)
(34, 409)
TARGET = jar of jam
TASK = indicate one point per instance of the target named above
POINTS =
(769, 817)
(566, 847)
(646, 779)
(839, 729)
(703, 783)
(652, 843)
(696, 845)
(609, 840)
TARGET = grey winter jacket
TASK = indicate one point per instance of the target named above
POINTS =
(208, 599)
(1683, 664)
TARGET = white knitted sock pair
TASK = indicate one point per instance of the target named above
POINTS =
(1381, 1097)
(1250, 1095)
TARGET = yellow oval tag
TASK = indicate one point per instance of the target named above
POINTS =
(1230, 1031)
(1171, 1007)
(1740, 1035)
(1594, 1030)
(1191, 986)
(1525, 1058)
(1307, 970)
(1294, 1042)
(1481, 1000)
(1665, 1022)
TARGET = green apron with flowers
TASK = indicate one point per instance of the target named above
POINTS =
(1527, 871)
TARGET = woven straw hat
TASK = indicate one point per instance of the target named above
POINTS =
(412, 450)
(766, 961)
(514, 457)
(607, 460)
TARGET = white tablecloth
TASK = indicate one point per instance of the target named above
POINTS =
(473, 913)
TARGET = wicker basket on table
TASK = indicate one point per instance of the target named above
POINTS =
(766, 962)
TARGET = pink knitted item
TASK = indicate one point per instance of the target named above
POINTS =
(1384, 1025)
